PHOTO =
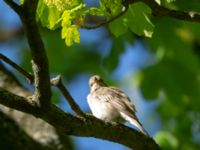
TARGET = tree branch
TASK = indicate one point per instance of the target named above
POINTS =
(158, 10)
(17, 102)
(106, 22)
(17, 67)
(90, 127)
(11, 131)
(14, 6)
(36, 128)
(42, 94)
(55, 81)
(58, 82)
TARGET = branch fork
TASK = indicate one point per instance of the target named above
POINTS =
(59, 84)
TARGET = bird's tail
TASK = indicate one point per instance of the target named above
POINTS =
(134, 121)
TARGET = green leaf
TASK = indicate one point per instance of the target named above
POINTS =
(62, 5)
(161, 1)
(179, 85)
(118, 26)
(158, 1)
(53, 18)
(111, 7)
(49, 11)
(167, 105)
(49, 16)
(66, 19)
(169, 1)
(21, 2)
(138, 20)
(95, 11)
(82, 12)
(72, 35)
(69, 32)
(166, 140)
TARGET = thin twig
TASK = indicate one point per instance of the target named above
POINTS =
(55, 81)
(14, 6)
(105, 22)
(58, 82)
(17, 67)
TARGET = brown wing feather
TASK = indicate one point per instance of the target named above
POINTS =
(117, 99)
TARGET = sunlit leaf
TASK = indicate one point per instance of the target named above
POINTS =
(111, 7)
(169, 1)
(69, 32)
(21, 2)
(48, 16)
(138, 20)
(118, 26)
(62, 5)
(49, 11)
(166, 140)
(71, 35)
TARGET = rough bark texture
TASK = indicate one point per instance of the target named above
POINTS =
(12, 137)
(34, 129)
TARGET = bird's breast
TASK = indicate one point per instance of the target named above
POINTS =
(102, 109)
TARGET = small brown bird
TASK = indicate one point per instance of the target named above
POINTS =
(111, 104)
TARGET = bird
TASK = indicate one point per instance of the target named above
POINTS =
(111, 104)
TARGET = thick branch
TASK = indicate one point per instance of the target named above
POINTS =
(40, 66)
(17, 102)
(11, 131)
(158, 10)
(90, 127)
(37, 129)
(58, 82)
(55, 81)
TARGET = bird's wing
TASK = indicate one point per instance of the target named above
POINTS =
(121, 102)
(116, 98)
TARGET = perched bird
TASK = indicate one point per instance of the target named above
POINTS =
(111, 104)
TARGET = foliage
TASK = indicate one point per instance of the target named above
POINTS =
(64, 14)
(136, 19)
(174, 76)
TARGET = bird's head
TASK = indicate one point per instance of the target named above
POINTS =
(95, 82)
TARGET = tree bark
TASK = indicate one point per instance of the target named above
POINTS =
(33, 131)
